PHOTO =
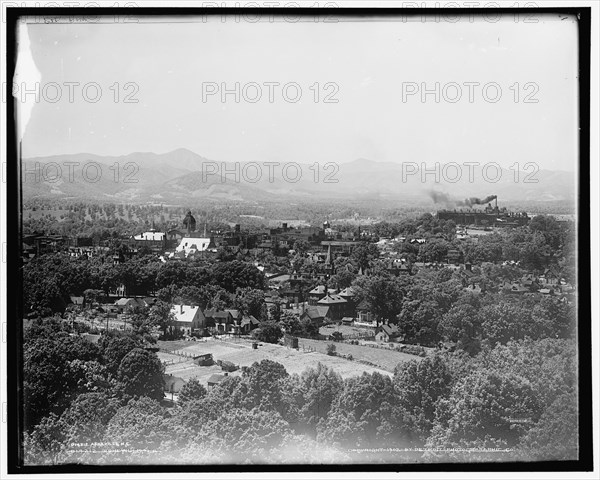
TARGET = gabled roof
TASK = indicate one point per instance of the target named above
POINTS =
(347, 292)
(318, 290)
(222, 314)
(249, 320)
(332, 300)
(316, 312)
(184, 313)
(216, 378)
(233, 312)
(122, 302)
(390, 330)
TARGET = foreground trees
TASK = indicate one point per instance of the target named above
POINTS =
(520, 397)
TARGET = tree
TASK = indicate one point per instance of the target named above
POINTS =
(49, 381)
(419, 385)
(249, 301)
(331, 350)
(263, 380)
(269, 332)
(487, 408)
(116, 349)
(192, 391)
(343, 278)
(461, 324)
(161, 316)
(364, 254)
(92, 296)
(236, 274)
(145, 428)
(290, 323)
(247, 435)
(504, 321)
(384, 296)
(141, 374)
(363, 415)
(87, 417)
(554, 437)
(320, 387)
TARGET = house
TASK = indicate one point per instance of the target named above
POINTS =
(248, 323)
(223, 321)
(387, 333)
(349, 295)
(337, 306)
(317, 294)
(216, 378)
(128, 304)
(315, 314)
(188, 319)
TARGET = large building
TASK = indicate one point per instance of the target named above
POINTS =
(490, 216)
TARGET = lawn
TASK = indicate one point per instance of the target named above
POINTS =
(240, 352)
(385, 359)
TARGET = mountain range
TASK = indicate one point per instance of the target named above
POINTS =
(181, 176)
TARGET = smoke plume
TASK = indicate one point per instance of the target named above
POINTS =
(440, 197)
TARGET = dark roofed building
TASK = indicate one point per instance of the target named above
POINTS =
(387, 333)
(317, 294)
(215, 379)
(248, 323)
(315, 314)
(337, 306)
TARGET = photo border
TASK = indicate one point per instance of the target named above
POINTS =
(15, 275)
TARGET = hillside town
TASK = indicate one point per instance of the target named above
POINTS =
(168, 320)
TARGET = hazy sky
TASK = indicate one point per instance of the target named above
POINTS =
(370, 63)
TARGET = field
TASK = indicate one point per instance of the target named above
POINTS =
(383, 358)
(177, 357)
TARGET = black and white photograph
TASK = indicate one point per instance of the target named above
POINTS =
(321, 238)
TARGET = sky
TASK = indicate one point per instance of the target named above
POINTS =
(376, 69)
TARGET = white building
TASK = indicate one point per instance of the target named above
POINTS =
(191, 245)
(150, 236)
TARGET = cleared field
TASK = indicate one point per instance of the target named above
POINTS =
(242, 354)
(347, 331)
(384, 358)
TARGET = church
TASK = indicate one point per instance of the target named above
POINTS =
(193, 242)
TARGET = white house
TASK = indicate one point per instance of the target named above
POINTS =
(188, 318)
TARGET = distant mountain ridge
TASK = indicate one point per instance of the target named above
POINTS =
(179, 175)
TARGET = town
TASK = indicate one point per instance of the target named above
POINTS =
(207, 304)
